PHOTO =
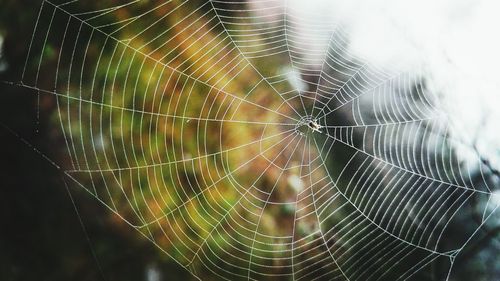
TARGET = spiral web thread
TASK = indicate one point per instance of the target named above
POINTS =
(190, 120)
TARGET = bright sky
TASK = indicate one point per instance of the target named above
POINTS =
(454, 44)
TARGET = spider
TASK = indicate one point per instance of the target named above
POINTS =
(313, 124)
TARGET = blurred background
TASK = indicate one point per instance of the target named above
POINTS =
(65, 219)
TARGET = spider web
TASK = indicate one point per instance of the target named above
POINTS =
(190, 120)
